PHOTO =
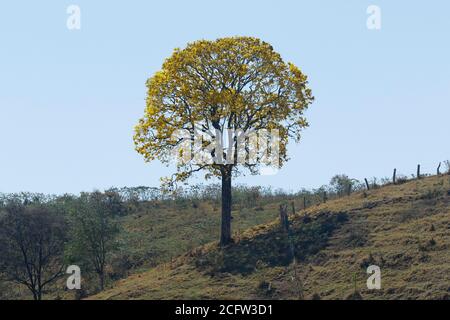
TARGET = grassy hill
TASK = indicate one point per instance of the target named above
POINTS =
(404, 229)
(158, 233)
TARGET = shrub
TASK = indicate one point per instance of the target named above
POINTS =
(401, 179)
(120, 266)
(342, 184)
(432, 194)
(356, 238)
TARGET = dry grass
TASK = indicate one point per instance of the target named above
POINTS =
(403, 229)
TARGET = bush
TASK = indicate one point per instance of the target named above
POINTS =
(342, 184)
(401, 179)
(120, 266)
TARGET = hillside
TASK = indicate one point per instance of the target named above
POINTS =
(157, 232)
(154, 232)
(404, 229)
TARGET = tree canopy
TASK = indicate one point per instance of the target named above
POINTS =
(231, 83)
(231, 89)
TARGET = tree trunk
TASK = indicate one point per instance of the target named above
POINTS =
(225, 231)
(101, 276)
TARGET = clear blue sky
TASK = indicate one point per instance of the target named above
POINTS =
(69, 99)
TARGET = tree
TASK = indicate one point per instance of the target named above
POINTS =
(342, 184)
(114, 203)
(229, 89)
(32, 241)
(94, 232)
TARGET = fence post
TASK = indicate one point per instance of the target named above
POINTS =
(293, 207)
(418, 171)
(324, 196)
(394, 176)
(284, 217)
(367, 184)
(439, 169)
(304, 202)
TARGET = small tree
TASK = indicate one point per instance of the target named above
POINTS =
(342, 184)
(32, 241)
(222, 90)
(94, 232)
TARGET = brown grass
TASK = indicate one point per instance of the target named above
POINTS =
(403, 229)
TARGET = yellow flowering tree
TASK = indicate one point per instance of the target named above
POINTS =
(237, 84)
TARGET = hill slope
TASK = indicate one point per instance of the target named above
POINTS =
(404, 229)
(156, 232)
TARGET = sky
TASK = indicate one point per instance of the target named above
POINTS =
(69, 99)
